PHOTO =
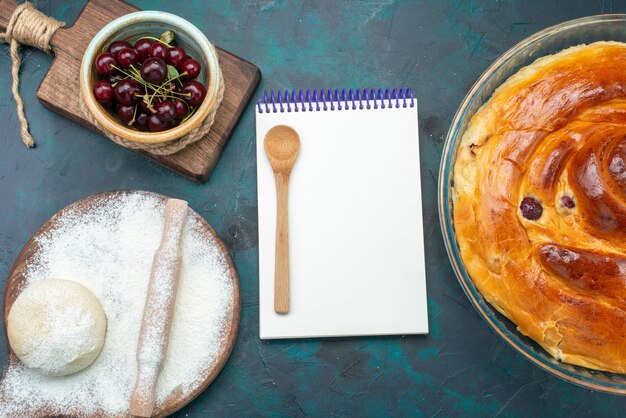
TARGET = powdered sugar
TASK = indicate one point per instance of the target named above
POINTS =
(110, 251)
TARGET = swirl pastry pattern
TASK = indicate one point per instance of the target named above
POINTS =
(540, 203)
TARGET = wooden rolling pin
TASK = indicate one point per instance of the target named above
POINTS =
(159, 309)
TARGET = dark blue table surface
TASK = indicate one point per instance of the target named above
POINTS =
(437, 48)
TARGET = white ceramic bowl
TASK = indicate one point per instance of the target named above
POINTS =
(131, 27)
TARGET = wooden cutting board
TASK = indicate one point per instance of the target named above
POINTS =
(177, 399)
(68, 44)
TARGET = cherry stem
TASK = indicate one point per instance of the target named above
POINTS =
(134, 74)
(157, 88)
(134, 116)
(189, 114)
(156, 39)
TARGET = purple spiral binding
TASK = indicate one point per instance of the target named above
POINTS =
(321, 100)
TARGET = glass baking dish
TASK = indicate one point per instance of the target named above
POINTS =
(548, 41)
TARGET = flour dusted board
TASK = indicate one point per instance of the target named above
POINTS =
(196, 161)
(32, 252)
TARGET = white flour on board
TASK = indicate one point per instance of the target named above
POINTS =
(110, 251)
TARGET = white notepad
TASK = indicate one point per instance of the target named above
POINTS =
(355, 215)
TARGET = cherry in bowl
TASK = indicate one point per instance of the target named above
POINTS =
(106, 63)
(194, 92)
(103, 91)
(154, 70)
(148, 83)
(127, 92)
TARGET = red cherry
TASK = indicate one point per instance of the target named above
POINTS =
(157, 125)
(103, 91)
(105, 63)
(175, 56)
(531, 208)
(126, 57)
(158, 50)
(125, 112)
(568, 202)
(154, 70)
(191, 67)
(141, 121)
(127, 91)
(194, 91)
(181, 108)
(166, 111)
(117, 46)
(142, 46)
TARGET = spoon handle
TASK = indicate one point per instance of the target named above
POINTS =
(281, 277)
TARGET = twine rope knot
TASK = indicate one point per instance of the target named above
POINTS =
(30, 27)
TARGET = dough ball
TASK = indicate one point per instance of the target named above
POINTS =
(56, 327)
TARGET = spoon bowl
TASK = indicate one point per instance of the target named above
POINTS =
(282, 145)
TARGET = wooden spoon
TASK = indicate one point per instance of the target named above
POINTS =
(282, 145)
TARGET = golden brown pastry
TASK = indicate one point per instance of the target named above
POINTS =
(540, 203)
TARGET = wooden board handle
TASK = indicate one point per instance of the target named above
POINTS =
(281, 274)
(6, 11)
(7, 7)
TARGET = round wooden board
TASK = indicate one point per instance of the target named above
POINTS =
(177, 399)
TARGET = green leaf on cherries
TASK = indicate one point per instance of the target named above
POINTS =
(167, 37)
(172, 72)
